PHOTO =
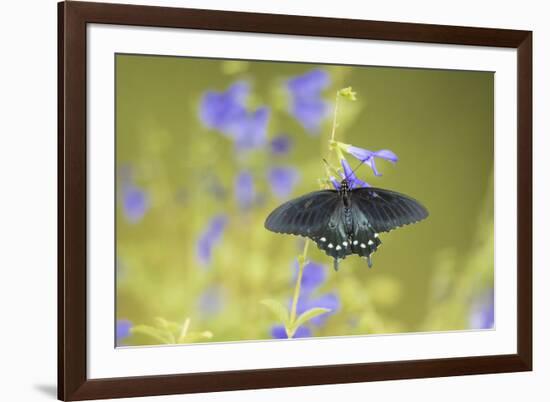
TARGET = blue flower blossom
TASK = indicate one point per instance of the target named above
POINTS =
(122, 330)
(368, 157)
(279, 332)
(353, 180)
(135, 203)
(282, 181)
(306, 104)
(210, 302)
(210, 238)
(223, 110)
(227, 113)
(251, 131)
(482, 312)
(245, 194)
(280, 145)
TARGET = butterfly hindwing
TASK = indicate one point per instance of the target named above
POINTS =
(333, 239)
(365, 240)
(385, 209)
(317, 215)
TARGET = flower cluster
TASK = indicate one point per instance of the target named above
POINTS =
(227, 113)
(282, 180)
(135, 200)
(482, 312)
(365, 157)
(307, 105)
(211, 300)
(123, 328)
(245, 193)
(209, 238)
(280, 145)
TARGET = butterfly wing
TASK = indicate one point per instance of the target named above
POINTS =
(364, 240)
(385, 210)
(318, 215)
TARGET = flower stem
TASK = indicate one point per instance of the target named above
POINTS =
(301, 265)
(334, 125)
(184, 329)
(332, 144)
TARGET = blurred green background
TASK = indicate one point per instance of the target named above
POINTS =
(177, 173)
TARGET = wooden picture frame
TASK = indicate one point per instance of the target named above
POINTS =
(73, 17)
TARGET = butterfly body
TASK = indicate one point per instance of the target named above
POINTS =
(346, 221)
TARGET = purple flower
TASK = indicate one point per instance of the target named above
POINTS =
(250, 131)
(280, 145)
(353, 180)
(313, 276)
(245, 193)
(209, 238)
(122, 330)
(226, 112)
(282, 181)
(222, 110)
(306, 105)
(368, 157)
(135, 203)
(210, 302)
(482, 312)
(279, 332)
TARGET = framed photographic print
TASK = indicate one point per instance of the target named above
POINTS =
(254, 200)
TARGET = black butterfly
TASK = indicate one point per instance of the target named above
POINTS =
(346, 221)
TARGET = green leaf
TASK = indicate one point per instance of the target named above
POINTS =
(280, 311)
(308, 315)
(153, 332)
(196, 336)
(167, 325)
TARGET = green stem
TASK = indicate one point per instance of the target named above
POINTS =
(184, 330)
(302, 258)
(334, 125)
(301, 264)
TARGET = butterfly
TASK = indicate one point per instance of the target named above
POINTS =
(346, 221)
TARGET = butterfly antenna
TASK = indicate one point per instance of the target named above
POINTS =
(357, 167)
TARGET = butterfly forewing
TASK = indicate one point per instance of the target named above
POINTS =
(333, 238)
(386, 210)
(305, 216)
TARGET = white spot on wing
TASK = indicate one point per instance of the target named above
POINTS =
(371, 242)
(323, 239)
(345, 244)
(338, 247)
(355, 242)
(330, 245)
(363, 245)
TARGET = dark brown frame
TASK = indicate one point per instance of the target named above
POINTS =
(73, 383)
